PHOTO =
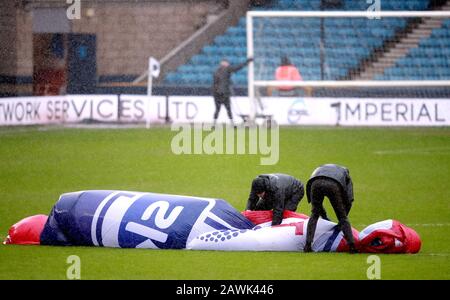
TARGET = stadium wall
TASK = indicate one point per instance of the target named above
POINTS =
(8, 47)
(205, 35)
(127, 33)
(16, 50)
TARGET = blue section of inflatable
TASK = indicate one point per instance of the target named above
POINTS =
(136, 220)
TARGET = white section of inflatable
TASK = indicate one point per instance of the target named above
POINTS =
(386, 224)
(289, 236)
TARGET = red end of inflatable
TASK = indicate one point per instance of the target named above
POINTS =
(262, 216)
(343, 245)
(412, 239)
(398, 238)
(27, 231)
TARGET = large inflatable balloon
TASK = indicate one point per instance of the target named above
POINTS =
(389, 236)
(290, 235)
(27, 231)
(134, 220)
(159, 221)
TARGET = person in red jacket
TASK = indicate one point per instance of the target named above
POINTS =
(287, 71)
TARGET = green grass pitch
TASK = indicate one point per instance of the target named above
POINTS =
(399, 173)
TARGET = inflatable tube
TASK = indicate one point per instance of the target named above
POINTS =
(159, 221)
(27, 231)
(136, 220)
(264, 216)
(389, 236)
(290, 235)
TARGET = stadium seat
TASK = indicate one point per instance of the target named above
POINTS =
(347, 42)
(429, 61)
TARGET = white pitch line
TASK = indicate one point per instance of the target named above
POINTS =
(431, 224)
(435, 150)
(434, 254)
(415, 225)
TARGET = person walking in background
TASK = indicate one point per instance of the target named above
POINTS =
(277, 192)
(222, 86)
(334, 182)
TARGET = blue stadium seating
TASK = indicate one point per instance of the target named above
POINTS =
(429, 61)
(347, 42)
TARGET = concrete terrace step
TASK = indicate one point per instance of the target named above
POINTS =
(402, 48)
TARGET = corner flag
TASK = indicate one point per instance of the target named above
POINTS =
(153, 71)
(154, 67)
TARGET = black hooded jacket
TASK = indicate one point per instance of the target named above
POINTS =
(222, 79)
(282, 192)
(337, 173)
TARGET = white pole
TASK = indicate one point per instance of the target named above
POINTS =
(251, 87)
(350, 14)
(355, 83)
(149, 92)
